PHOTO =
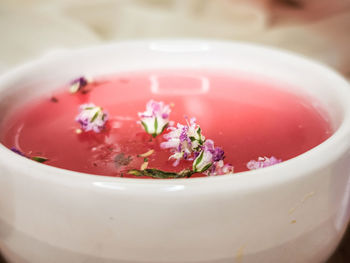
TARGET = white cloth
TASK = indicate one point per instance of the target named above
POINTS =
(26, 34)
(315, 28)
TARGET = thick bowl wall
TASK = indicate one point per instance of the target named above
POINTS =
(296, 211)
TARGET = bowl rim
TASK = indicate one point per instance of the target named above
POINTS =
(314, 159)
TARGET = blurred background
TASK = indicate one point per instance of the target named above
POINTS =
(316, 28)
(319, 29)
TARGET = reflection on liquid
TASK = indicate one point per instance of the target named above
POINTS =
(162, 86)
(17, 135)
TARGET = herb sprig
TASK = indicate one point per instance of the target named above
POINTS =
(159, 174)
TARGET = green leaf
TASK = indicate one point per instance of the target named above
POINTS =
(165, 126)
(155, 173)
(206, 167)
(186, 173)
(199, 132)
(39, 159)
(155, 128)
(144, 126)
(197, 161)
(95, 116)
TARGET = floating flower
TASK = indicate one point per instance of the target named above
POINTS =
(210, 160)
(78, 84)
(184, 141)
(220, 168)
(203, 161)
(156, 117)
(262, 162)
(195, 135)
(91, 117)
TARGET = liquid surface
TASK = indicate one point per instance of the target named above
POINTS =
(246, 118)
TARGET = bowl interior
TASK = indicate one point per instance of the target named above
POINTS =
(330, 92)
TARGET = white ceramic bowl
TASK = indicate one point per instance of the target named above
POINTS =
(296, 211)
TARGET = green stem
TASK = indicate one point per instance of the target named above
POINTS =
(155, 173)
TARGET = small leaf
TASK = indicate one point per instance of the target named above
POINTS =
(155, 173)
(186, 173)
(165, 126)
(39, 159)
(198, 160)
(155, 125)
(206, 167)
(95, 116)
(144, 126)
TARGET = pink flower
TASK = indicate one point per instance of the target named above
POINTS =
(262, 162)
(156, 117)
(79, 83)
(184, 141)
(91, 118)
(188, 143)
(211, 160)
(204, 157)
(220, 168)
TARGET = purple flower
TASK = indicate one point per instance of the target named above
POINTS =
(204, 159)
(185, 141)
(188, 143)
(220, 168)
(14, 149)
(217, 153)
(210, 160)
(156, 117)
(78, 84)
(262, 162)
(91, 118)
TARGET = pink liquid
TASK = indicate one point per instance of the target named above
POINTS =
(246, 118)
